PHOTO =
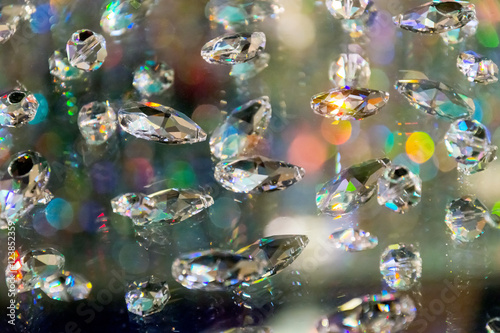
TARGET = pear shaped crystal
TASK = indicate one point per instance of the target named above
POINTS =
(234, 49)
(139, 207)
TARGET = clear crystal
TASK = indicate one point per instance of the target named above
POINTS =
(139, 207)
(456, 36)
(155, 122)
(346, 9)
(399, 189)
(242, 130)
(231, 49)
(257, 174)
(354, 240)
(66, 286)
(436, 17)
(17, 108)
(466, 217)
(97, 122)
(349, 103)
(86, 50)
(350, 69)
(30, 174)
(153, 78)
(147, 296)
(249, 329)
(10, 16)
(249, 69)
(234, 13)
(122, 15)
(215, 269)
(60, 67)
(359, 26)
(351, 188)
(493, 325)
(477, 68)
(400, 266)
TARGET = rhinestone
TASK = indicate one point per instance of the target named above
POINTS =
(147, 296)
(122, 15)
(97, 122)
(353, 240)
(399, 189)
(234, 13)
(153, 78)
(466, 217)
(234, 49)
(249, 69)
(493, 325)
(350, 69)
(86, 50)
(155, 122)
(60, 67)
(477, 68)
(400, 266)
(66, 286)
(346, 9)
(456, 36)
(257, 174)
(139, 207)
(17, 108)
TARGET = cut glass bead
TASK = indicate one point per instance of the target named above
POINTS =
(17, 108)
(353, 240)
(400, 266)
(66, 286)
(477, 68)
(147, 296)
(249, 69)
(466, 217)
(60, 67)
(346, 9)
(122, 15)
(139, 207)
(86, 50)
(350, 69)
(97, 122)
(399, 189)
(10, 16)
(232, 49)
(234, 13)
(153, 78)
(456, 36)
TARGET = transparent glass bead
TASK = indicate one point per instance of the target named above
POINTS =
(346, 9)
(400, 266)
(232, 49)
(60, 67)
(147, 296)
(10, 16)
(353, 240)
(66, 286)
(466, 217)
(86, 50)
(399, 189)
(97, 122)
(137, 206)
(153, 78)
(17, 108)
(350, 69)
(477, 68)
(120, 16)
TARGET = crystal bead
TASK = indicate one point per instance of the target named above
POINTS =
(346, 9)
(493, 325)
(256, 174)
(66, 286)
(400, 266)
(120, 16)
(354, 240)
(249, 329)
(60, 67)
(456, 36)
(477, 68)
(359, 26)
(351, 188)
(97, 122)
(242, 130)
(468, 142)
(214, 270)
(232, 49)
(153, 78)
(147, 296)
(466, 217)
(436, 17)
(350, 69)
(349, 103)
(30, 174)
(155, 122)
(10, 16)
(86, 50)
(139, 207)
(234, 13)
(399, 189)
(249, 69)
(17, 108)
(31, 267)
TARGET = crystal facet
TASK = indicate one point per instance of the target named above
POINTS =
(86, 50)
(60, 67)
(153, 78)
(400, 266)
(147, 296)
(66, 286)
(242, 130)
(349, 103)
(17, 108)
(346, 9)
(97, 122)
(122, 15)
(399, 189)
(466, 217)
(155, 122)
(456, 36)
(234, 49)
(350, 69)
(233, 13)
(257, 174)
(493, 325)
(10, 16)
(477, 68)
(249, 69)
(137, 206)
(351, 188)
(354, 240)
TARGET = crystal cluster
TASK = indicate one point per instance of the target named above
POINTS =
(477, 68)
(147, 296)
(97, 122)
(399, 189)
(467, 217)
(86, 50)
(153, 78)
(17, 108)
(350, 69)
(353, 240)
(400, 266)
(232, 49)
(120, 16)
(234, 13)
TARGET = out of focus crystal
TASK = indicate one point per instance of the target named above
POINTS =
(147, 296)
(120, 16)
(60, 67)
(350, 69)
(354, 240)
(86, 50)
(97, 122)
(456, 36)
(234, 13)
(232, 49)
(477, 68)
(466, 217)
(346, 9)
(249, 69)
(10, 16)
(66, 286)
(493, 325)
(139, 207)
(153, 78)
(399, 189)
(400, 266)
(17, 108)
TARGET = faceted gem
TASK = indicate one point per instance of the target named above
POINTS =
(346, 9)
(249, 329)
(350, 69)
(17, 108)
(232, 49)
(468, 142)
(60, 67)
(436, 17)
(86, 50)
(351, 188)
(214, 270)
(97, 122)
(30, 174)
(456, 36)
(354, 240)
(233, 13)
(399, 189)
(10, 16)
(147, 296)
(249, 69)
(122, 15)
(477, 68)
(153, 78)
(466, 217)
(139, 207)
(400, 266)
(242, 130)
(257, 174)
(493, 325)
(359, 26)
(349, 103)
(155, 122)
(66, 286)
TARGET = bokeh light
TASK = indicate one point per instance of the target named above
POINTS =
(307, 151)
(225, 213)
(336, 132)
(487, 35)
(59, 213)
(419, 147)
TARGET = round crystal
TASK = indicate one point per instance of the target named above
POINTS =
(97, 122)
(86, 50)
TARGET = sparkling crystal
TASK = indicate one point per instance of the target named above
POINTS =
(257, 174)
(350, 69)
(493, 325)
(97, 122)
(436, 17)
(28, 269)
(66, 286)
(153, 78)
(349, 103)
(400, 266)
(233, 13)
(456, 36)
(399, 189)
(86, 50)
(30, 174)
(17, 108)
(139, 207)
(468, 142)
(242, 130)
(351, 188)
(249, 329)
(10, 16)
(147, 296)
(215, 269)
(346, 9)
(477, 68)
(155, 122)
(231, 49)
(249, 69)
(354, 240)
(122, 15)
(359, 26)
(466, 217)
(60, 67)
